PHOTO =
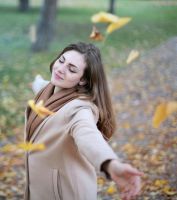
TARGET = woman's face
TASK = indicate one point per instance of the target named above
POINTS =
(68, 70)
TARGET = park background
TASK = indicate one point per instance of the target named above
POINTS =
(136, 88)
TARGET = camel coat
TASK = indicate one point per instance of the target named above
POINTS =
(75, 150)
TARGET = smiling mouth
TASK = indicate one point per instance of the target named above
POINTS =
(58, 77)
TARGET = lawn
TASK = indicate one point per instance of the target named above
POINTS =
(152, 23)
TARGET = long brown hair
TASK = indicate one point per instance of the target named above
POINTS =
(96, 87)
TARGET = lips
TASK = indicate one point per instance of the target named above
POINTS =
(58, 77)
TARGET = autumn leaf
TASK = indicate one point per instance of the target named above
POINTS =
(9, 148)
(132, 56)
(160, 183)
(39, 108)
(169, 191)
(104, 17)
(28, 146)
(100, 181)
(96, 35)
(118, 24)
(129, 148)
(162, 111)
(111, 190)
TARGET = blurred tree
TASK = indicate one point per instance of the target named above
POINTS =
(45, 29)
(111, 6)
(23, 5)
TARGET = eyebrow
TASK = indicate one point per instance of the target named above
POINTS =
(69, 63)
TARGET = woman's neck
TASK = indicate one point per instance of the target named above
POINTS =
(56, 89)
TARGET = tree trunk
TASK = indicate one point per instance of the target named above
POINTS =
(23, 5)
(46, 26)
(111, 6)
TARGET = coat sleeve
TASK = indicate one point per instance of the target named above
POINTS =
(88, 138)
(38, 84)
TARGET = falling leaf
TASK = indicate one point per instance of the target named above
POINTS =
(132, 56)
(32, 33)
(39, 108)
(111, 190)
(28, 146)
(104, 17)
(118, 24)
(9, 148)
(162, 111)
(96, 35)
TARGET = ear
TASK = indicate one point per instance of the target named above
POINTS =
(82, 82)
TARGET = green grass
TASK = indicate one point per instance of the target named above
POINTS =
(151, 25)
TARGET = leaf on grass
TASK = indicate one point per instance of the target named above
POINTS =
(162, 111)
(132, 56)
(104, 17)
(169, 191)
(39, 109)
(100, 181)
(129, 148)
(111, 190)
(118, 24)
(96, 35)
(160, 183)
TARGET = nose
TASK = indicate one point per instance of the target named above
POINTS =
(61, 68)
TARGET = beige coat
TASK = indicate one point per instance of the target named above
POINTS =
(75, 150)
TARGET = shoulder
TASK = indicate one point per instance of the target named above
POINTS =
(78, 105)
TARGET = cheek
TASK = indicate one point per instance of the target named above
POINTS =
(73, 78)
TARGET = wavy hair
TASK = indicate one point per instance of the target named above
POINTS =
(96, 87)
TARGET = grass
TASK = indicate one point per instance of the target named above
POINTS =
(152, 24)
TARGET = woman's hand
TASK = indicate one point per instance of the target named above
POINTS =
(126, 177)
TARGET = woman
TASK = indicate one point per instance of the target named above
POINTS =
(75, 136)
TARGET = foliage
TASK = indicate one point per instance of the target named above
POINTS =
(18, 67)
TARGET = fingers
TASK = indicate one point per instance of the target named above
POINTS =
(134, 171)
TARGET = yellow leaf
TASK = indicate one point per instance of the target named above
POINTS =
(96, 35)
(132, 56)
(100, 181)
(24, 146)
(9, 148)
(111, 190)
(118, 24)
(39, 109)
(169, 191)
(162, 111)
(32, 105)
(129, 148)
(104, 17)
(160, 183)
(31, 146)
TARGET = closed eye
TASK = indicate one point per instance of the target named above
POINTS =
(72, 70)
(60, 61)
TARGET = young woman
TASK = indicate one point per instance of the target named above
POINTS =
(76, 135)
